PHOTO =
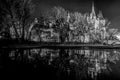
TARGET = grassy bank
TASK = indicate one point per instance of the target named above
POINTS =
(58, 45)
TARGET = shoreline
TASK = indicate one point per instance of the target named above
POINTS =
(97, 46)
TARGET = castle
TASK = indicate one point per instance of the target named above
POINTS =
(98, 26)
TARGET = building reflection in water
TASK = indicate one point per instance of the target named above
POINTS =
(84, 63)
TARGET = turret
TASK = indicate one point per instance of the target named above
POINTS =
(100, 15)
(68, 17)
(93, 14)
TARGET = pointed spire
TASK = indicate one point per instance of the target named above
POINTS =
(93, 8)
(93, 14)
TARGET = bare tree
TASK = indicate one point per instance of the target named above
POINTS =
(17, 16)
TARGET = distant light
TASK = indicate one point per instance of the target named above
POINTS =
(36, 20)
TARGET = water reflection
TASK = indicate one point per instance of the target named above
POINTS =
(84, 63)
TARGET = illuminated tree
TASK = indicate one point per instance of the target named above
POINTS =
(58, 20)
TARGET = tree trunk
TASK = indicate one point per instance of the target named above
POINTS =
(23, 30)
(16, 32)
(29, 31)
(22, 34)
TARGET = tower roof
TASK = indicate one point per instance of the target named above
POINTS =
(93, 9)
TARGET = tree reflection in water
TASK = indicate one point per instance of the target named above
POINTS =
(82, 62)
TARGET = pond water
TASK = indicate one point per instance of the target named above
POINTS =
(60, 64)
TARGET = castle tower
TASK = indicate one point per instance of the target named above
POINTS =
(93, 14)
(68, 17)
(93, 9)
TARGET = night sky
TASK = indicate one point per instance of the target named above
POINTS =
(109, 8)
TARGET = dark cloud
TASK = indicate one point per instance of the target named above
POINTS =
(71, 5)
